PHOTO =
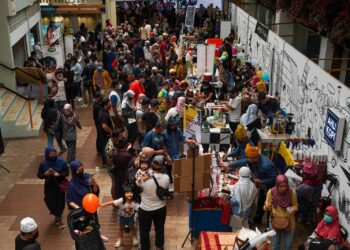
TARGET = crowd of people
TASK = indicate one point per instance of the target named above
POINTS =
(134, 78)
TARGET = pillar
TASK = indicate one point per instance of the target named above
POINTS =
(326, 51)
(111, 12)
(283, 29)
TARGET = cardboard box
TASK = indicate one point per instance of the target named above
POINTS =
(190, 152)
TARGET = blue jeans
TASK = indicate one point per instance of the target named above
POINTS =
(283, 236)
(50, 140)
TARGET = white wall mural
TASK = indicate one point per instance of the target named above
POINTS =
(307, 91)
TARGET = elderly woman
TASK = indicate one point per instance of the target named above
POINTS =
(129, 115)
(69, 122)
(54, 170)
(153, 209)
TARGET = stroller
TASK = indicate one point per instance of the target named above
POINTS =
(84, 230)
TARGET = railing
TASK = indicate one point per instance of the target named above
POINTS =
(29, 100)
(30, 75)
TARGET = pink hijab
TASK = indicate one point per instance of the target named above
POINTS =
(281, 199)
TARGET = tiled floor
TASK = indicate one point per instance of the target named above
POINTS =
(21, 194)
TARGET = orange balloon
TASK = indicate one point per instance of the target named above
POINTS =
(259, 73)
(90, 203)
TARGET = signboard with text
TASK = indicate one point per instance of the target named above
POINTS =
(334, 129)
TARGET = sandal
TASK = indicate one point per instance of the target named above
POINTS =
(60, 225)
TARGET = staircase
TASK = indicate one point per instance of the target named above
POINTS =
(15, 116)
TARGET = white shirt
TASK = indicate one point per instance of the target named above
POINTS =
(235, 114)
(127, 209)
(149, 198)
(171, 112)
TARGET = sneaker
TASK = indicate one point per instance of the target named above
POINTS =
(118, 243)
(79, 99)
(84, 106)
(104, 238)
(135, 241)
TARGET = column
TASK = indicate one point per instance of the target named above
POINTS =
(283, 29)
(326, 51)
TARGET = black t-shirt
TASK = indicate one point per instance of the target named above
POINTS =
(104, 118)
(26, 245)
(207, 91)
(96, 107)
(150, 119)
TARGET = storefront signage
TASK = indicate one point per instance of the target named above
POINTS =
(334, 129)
(81, 9)
(262, 31)
(67, 9)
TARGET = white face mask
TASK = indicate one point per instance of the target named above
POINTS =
(120, 86)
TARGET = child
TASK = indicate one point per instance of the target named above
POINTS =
(144, 172)
(127, 210)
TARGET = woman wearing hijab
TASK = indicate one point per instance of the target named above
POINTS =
(282, 202)
(129, 115)
(244, 193)
(54, 170)
(177, 110)
(250, 118)
(327, 233)
(69, 122)
(79, 185)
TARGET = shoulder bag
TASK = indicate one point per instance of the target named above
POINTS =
(162, 193)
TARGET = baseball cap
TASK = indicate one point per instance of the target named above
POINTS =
(145, 101)
(158, 160)
(155, 103)
(28, 225)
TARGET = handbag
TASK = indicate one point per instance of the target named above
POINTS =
(63, 185)
(280, 223)
(162, 193)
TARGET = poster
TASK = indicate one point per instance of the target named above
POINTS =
(53, 63)
(192, 124)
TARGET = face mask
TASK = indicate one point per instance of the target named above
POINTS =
(80, 175)
(120, 86)
(99, 68)
(327, 219)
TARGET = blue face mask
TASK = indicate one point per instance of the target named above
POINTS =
(327, 219)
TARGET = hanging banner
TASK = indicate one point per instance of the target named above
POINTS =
(192, 124)
(190, 13)
(262, 31)
(53, 63)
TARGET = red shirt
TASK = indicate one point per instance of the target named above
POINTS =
(137, 88)
(162, 49)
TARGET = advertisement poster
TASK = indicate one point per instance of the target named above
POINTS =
(53, 62)
(205, 59)
(192, 124)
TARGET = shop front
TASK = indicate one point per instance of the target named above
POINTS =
(73, 16)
